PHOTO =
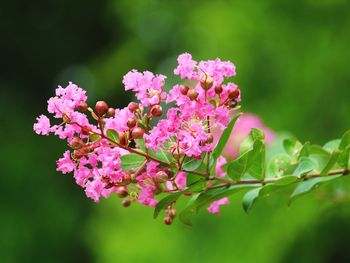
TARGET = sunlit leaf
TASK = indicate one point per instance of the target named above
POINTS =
(308, 185)
(132, 160)
(292, 146)
(113, 135)
(305, 165)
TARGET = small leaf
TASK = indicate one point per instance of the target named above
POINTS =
(305, 165)
(94, 137)
(304, 152)
(162, 155)
(165, 202)
(113, 135)
(251, 162)
(132, 160)
(332, 145)
(222, 143)
(252, 196)
(196, 182)
(248, 143)
(141, 144)
(280, 165)
(206, 198)
(191, 164)
(345, 141)
(249, 199)
(292, 146)
(332, 161)
(307, 186)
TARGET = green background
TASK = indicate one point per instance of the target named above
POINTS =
(292, 60)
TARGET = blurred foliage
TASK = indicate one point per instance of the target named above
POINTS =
(292, 66)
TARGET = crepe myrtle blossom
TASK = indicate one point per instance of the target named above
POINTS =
(118, 151)
(214, 208)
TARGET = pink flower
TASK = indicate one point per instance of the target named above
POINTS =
(66, 100)
(65, 164)
(218, 69)
(220, 162)
(240, 131)
(146, 197)
(119, 121)
(147, 86)
(214, 207)
(180, 180)
(42, 126)
(186, 67)
(94, 189)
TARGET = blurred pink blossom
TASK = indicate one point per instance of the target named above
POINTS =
(241, 130)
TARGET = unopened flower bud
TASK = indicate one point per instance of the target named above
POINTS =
(82, 106)
(122, 139)
(86, 130)
(110, 112)
(133, 106)
(172, 213)
(168, 220)
(206, 82)
(101, 107)
(156, 111)
(121, 191)
(232, 103)
(184, 89)
(126, 202)
(137, 133)
(233, 93)
(192, 94)
(218, 89)
(210, 138)
(161, 176)
(131, 123)
(76, 143)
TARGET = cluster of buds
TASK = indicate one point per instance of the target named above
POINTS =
(122, 153)
(170, 214)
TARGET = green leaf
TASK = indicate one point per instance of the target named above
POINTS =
(206, 198)
(165, 202)
(249, 199)
(304, 152)
(252, 162)
(252, 196)
(132, 160)
(94, 137)
(162, 155)
(305, 165)
(344, 147)
(332, 161)
(344, 158)
(307, 186)
(332, 145)
(191, 164)
(222, 142)
(113, 135)
(345, 141)
(141, 144)
(280, 165)
(292, 146)
(248, 143)
(196, 182)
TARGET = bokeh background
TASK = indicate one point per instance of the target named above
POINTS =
(292, 60)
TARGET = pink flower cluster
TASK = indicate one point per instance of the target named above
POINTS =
(201, 105)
